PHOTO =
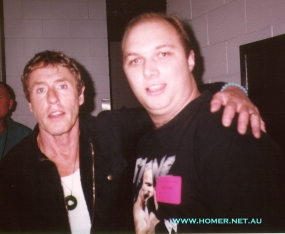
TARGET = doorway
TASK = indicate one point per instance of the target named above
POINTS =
(119, 13)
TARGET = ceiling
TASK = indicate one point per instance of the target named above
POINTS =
(119, 12)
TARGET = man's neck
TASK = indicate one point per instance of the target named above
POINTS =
(63, 150)
(160, 120)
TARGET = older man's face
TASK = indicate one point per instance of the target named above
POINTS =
(5, 102)
(54, 99)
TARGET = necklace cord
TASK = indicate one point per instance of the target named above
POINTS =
(70, 200)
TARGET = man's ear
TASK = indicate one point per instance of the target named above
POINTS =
(191, 60)
(11, 102)
(81, 96)
(30, 107)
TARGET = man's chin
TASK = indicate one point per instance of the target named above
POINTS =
(56, 131)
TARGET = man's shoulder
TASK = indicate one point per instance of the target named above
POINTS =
(211, 120)
(21, 152)
(199, 115)
(24, 146)
(18, 127)
(211, 132)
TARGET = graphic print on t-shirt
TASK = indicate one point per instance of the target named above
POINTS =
(145, 178)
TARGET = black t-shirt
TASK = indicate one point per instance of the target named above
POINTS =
(228, 180)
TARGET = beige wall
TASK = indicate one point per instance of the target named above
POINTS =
(221, 26)
(75, 27)
(78, 28)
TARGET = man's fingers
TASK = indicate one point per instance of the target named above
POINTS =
(235, 101)
(262, 126)
(216, 103)
(229, 113)
(255, 122)
(243, 119)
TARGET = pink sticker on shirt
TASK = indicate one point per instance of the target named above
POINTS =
(168, 189)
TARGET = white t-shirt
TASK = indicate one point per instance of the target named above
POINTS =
(79, 219)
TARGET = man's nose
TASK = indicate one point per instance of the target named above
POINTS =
(52, 96)
(150, 69)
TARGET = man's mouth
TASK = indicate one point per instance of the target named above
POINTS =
(56, 114)
(155, 88)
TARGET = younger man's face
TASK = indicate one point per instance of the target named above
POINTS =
(157, 68)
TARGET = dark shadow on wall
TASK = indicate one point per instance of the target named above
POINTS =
(199, 60)
(120, 12)
(89, 94)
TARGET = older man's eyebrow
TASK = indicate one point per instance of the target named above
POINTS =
(36, 83)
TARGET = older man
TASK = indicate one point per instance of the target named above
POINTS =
(11, 132)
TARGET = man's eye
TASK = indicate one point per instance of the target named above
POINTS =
(40, 90)
(135, 61)
(163, 54)
(63, 86)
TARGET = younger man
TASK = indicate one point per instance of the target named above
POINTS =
(193, 167)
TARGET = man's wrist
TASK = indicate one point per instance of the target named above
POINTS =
(235, 85)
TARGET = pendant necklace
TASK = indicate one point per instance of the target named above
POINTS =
(70, 200)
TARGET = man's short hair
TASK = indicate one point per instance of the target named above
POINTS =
(50, 58)
(172, 20)
(10, 91)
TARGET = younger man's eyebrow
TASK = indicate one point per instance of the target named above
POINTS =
(165, 46)
(129, 55)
